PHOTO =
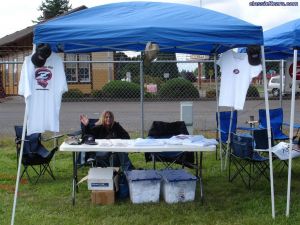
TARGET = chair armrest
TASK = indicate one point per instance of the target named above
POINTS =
(19, 140)
(53, 137)
(222, 131)
(248, 128)
(296, 125)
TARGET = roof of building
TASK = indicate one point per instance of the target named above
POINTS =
(22, 39)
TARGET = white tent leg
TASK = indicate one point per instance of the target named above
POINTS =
(228, 138)
(218, 111)
(19, 167)
(268, 128)
(291, 133)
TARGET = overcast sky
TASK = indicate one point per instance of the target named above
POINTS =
(18, 14)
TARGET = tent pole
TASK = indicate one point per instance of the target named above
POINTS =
(19, 166)
(229, 137)
(268, 128)
(142, 97)
(281, 81)
(218, 111)
(291, 133)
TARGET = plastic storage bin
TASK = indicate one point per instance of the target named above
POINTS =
(177, 186)
(144, 185)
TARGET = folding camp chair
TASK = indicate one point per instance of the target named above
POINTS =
(248, 164)
(276, 121)
(160, 129)
(35, 155)
(228, 125)
(261, 144)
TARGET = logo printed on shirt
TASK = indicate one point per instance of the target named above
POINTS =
(42, 75)
(236, 71)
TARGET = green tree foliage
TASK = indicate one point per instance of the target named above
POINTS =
(208, 70)
(170, 68)
(53, 8)
(188, 76)
(121, 89)
(154, 70)
(178, 88)
(121, 69)
(252, 91)
(73, 93)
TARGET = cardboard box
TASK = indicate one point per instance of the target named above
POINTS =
(103, 197)
(144, 185)
(100, 179)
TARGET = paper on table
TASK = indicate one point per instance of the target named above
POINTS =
(148, 142)
(120, 142)
(281, 150)
(105, 143)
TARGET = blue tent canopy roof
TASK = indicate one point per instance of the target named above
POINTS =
(281, 40)
(130, 25)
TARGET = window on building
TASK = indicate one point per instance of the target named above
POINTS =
(15, 72)
(6, 73)
(78, 72)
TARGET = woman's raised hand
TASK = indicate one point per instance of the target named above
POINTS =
(84, 119)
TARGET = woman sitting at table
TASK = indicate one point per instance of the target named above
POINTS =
(107, 128)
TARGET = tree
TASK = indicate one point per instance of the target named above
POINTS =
(53, 8)
(154, 70)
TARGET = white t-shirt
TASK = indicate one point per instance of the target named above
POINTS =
(43, 88)
(236, 76)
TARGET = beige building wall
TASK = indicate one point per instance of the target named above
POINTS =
(101, 73)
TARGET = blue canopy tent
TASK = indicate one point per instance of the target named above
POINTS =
(283, 42)
(130, 25)
(174, 27)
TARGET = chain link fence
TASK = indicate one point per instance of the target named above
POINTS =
(116, 85)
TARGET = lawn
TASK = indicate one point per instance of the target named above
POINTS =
(49, 202)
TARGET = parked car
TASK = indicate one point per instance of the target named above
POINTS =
(274, 85)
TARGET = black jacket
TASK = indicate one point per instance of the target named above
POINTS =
(100, 131)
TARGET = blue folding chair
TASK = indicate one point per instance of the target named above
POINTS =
(276, 121)
(246, 163)
(224, 127)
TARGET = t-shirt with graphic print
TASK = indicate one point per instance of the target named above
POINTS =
(42, 89)
(236, 76)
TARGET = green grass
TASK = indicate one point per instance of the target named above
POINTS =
(49, 202)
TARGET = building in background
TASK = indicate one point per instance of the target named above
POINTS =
(81, 75)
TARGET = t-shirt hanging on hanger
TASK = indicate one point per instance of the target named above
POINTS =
(42, 89)
(236, 76)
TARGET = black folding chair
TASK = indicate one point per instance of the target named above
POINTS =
(160, 129)
(261, 144)
(35, 155)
